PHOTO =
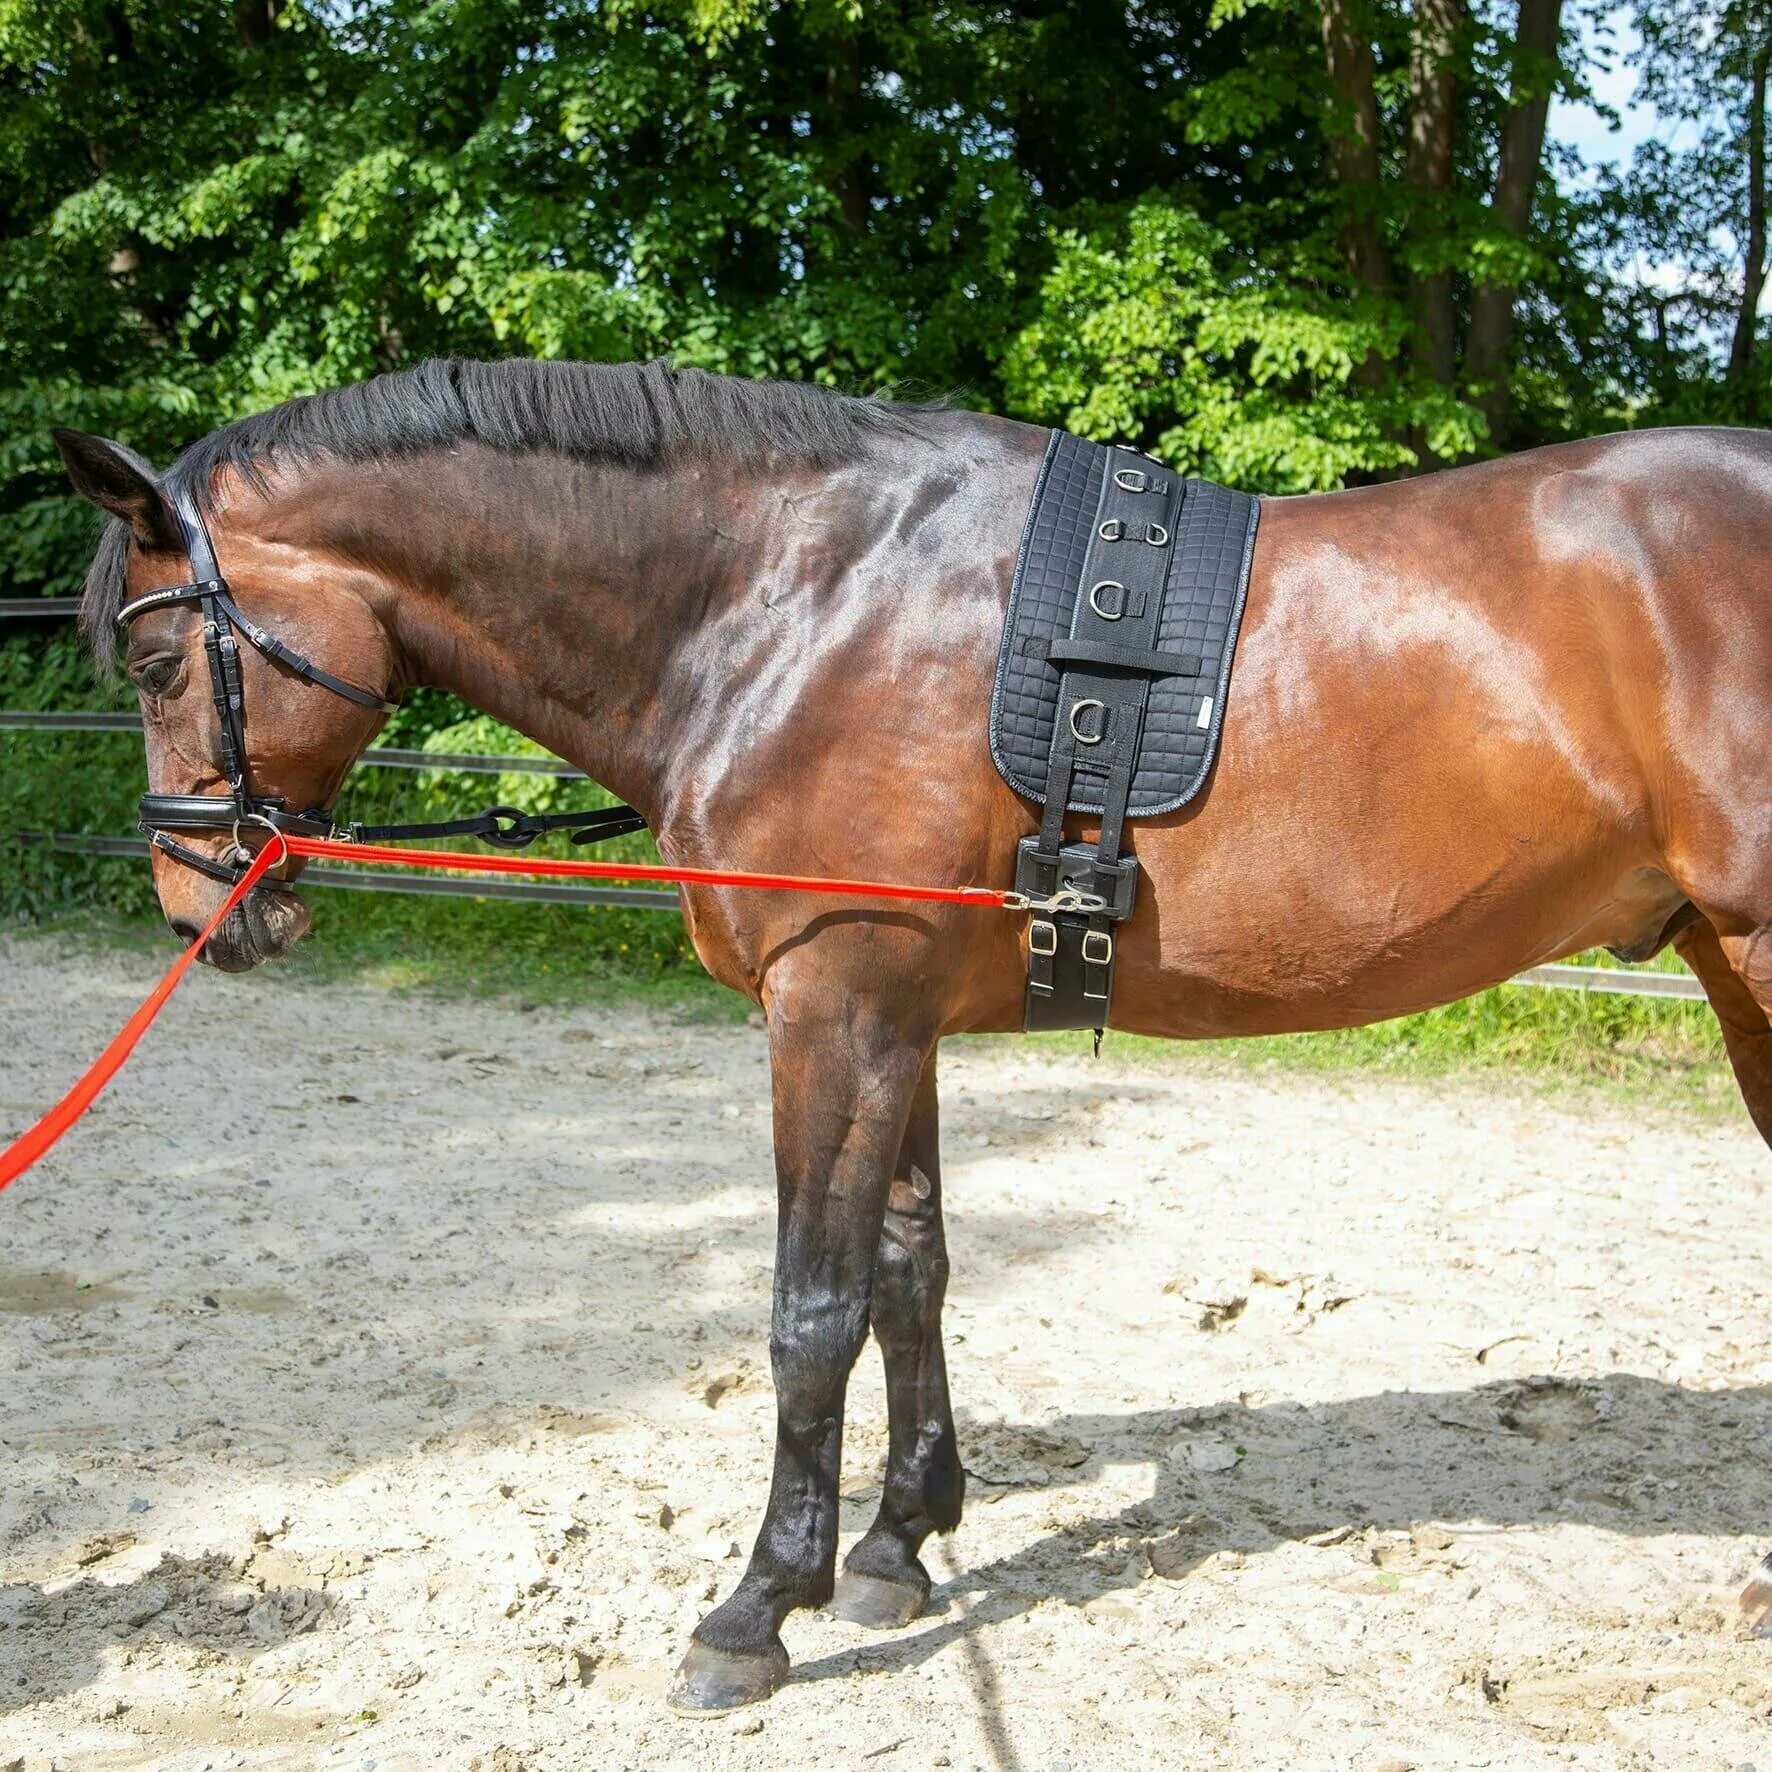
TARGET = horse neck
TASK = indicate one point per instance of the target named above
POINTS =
(563, 598)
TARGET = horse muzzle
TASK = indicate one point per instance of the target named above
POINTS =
(266, 924)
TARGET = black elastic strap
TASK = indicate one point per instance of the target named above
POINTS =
(509, 828)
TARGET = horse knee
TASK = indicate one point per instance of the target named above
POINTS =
(813, 1342)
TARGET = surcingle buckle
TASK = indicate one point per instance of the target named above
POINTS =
(1077, 899)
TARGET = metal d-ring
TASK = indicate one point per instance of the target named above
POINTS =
(1112, 530)
(1107, 584)
(1156, 535)
(1132, 479)
(245, 854)
(1077, 732)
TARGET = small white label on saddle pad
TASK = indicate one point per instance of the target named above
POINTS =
(1205, 718)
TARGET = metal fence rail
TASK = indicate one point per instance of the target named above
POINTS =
(1675, 986)
(1681, 986)
(443, 886)
(61, 607)
(376, 757)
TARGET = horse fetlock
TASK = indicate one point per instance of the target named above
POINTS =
(883, 1584)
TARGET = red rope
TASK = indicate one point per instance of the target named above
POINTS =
(31, 1144)
(370, 854)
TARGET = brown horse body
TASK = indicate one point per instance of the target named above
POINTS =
(1477, 721)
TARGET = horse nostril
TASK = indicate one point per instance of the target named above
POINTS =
(184, 929)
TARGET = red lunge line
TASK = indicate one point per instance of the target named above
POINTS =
(369, 853)
(30, 1145)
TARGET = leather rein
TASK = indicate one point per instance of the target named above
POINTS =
(161, 814)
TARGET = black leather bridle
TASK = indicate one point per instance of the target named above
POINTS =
(240, 808)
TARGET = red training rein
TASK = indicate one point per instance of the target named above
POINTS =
(30, 1145)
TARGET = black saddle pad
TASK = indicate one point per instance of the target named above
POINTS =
(1202, 607)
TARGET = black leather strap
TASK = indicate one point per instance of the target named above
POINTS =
(303, 666)
(190, 858)
(212, 595)
(509, 828)
(216, 812)
(1122, 658)
(1109, 660)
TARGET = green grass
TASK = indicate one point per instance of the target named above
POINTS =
(1668, 1053)
(462, 947)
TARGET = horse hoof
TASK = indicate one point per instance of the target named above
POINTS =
(878, 1604)
(713, 1681)
(1756, 1602)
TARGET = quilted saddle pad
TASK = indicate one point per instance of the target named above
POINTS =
(1202, 607)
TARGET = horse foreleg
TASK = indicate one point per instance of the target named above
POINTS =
(844, 1076)
(1741, 996)
(884, 1583)
(1741, 1002)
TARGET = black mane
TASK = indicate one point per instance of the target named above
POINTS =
(638, 414)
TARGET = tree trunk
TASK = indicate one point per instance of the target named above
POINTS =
(1741, 348)
(1516, 183)
(842, 93)
(1353, 144)
(255, 21)
(1427, 171)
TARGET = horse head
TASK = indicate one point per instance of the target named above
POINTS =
(232, 656)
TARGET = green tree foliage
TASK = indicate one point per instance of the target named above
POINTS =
(1690, 214)
(1269, 236)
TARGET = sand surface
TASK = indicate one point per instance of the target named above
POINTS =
(384, 1384)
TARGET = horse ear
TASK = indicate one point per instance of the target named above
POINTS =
(118, 480)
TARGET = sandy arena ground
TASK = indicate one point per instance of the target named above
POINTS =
(385, 1386)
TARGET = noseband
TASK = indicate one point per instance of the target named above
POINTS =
(161, 814)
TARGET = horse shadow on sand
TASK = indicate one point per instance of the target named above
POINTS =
(1622, 1453)
(53, 1637)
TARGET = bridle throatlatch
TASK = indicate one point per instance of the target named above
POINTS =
(223, 619)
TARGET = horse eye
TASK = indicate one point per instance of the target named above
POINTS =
(156, 676)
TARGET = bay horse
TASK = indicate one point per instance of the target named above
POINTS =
(1478, 721)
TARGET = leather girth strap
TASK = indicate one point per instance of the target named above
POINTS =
(1108, 662)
